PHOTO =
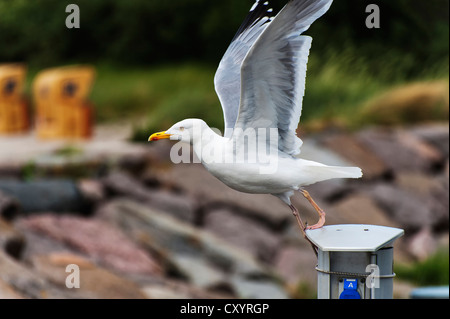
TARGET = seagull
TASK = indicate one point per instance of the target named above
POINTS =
(260, 83)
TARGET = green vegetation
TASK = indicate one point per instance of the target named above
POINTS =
(163, 94)
(156, 59)
(433, 271)
(340, 88)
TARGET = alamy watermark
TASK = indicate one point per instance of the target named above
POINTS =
(373, 19)
(373, 280)
(73, 19)
(73, 279)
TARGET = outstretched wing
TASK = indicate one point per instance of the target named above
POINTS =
(274, 71)
(228, 76)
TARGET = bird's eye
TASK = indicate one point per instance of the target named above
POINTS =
(181, 128)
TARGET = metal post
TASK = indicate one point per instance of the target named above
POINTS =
(355, 261)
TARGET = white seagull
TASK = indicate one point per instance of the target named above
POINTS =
(260, 83)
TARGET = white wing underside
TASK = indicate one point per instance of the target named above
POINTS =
(261, 78)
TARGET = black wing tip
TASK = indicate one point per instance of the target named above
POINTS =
(258, 11)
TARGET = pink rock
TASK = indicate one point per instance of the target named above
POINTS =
(97, 239)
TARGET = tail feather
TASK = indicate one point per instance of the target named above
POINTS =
(346, 172)
(322, 173)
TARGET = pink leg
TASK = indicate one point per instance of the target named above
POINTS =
(321, 213)
(299, 220)
(302, 227)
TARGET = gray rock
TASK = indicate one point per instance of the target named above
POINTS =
(242, 232)
(26, 282)
(95, 282)
(247, 288)
(165, 288)
(161, 232)
(432, 191)
(11, 240)
(199, 271)
(435, 134)
(57, 195)
(9, 206)
(92, 190)
(8, 292)
(177, 205)
(361, 209)
(10, 170)
(296, 265)
(423, 244)
(358, 153)
(196, 181)
(313, 150)
(400, 150)
(194, 251)
(406, 209)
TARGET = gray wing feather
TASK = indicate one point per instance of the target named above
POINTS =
(227, 80)
(273, 73)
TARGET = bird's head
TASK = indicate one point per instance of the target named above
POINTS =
(187, 131)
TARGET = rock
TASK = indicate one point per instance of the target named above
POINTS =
(164, 288)
(296, 265)
(11, 240)
(313, 150)
(176, 204)
(10, 170)
(166, 234)
(402, 289)
(400, 150)
(174, 238)
(443, 240)
(7, 292)
(9, 207)
(406, 209)
(56, 195)
(198, 255)
(423, 244)
(39, 244)
(91, 190)
(196, 181)
(95, 282)
(432, 191)
(199, 271)
(416, 182)
(242, 232)
(434, 134)
(424, 150)
(361, 209)
(98, 240)
(447, 170)
(24, 281)
(247, 288)
(355, 151)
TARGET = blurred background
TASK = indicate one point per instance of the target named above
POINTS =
(105, 199)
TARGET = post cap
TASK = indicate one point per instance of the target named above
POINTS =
(353, 238)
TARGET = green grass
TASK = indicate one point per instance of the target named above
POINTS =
(432, 271)
(338, 86)
(149, 91)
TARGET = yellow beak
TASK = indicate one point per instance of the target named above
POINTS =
(159, 136)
